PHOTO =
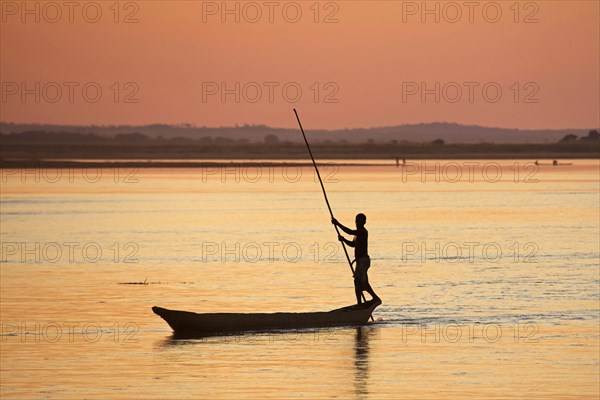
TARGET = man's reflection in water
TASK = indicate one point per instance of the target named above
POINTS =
(361, 361)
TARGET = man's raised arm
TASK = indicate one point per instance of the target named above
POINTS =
(345, 229)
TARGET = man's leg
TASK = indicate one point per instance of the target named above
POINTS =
(367, 285)
(358, 292)
(358, 287)
(359, 279)
(369, 290)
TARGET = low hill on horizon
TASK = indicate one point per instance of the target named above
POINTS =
(427, 132)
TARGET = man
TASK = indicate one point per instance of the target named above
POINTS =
(361, 254)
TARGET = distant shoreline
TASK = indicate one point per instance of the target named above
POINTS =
(38, 148)
(157, 164)
(17, 152)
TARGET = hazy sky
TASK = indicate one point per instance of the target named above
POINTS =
(341, 64)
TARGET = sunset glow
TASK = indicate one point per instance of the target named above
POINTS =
(357, 66)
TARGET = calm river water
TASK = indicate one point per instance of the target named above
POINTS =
(488, 271)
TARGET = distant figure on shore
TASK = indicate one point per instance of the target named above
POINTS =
(554, 163)
(361, 255)
(398, 162)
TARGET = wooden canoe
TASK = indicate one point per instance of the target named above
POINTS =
(183, 322)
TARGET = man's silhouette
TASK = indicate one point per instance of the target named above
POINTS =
(361, 254)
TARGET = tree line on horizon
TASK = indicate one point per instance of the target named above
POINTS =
(41, 137)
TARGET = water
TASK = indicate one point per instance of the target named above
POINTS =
(490, 283)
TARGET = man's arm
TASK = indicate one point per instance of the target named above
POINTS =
(345, 229)
(348, 242)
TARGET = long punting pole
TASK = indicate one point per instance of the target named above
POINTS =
(325, 194)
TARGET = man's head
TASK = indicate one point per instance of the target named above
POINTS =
(361, 219)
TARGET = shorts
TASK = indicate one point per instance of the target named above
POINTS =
(361, 279)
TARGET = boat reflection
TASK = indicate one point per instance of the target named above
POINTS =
(358, 339)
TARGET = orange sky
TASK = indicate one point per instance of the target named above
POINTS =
(368, 60)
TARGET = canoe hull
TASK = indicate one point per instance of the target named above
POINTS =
(215, 323)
